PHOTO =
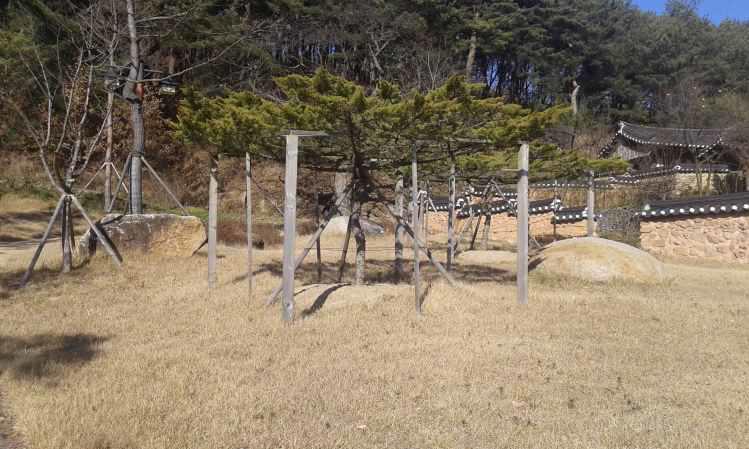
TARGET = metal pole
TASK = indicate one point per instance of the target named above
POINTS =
(415, 227)
(522, 213)
(289, 226)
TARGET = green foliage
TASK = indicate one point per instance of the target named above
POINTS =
(382, 125)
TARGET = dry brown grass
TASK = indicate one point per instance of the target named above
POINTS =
(87, 361)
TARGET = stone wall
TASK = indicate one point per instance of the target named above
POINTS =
(722, 238)
(504, 227)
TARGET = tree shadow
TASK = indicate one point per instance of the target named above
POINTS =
(383, 272)
(46, 355)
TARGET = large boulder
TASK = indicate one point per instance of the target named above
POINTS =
(599, 260)
(165, 235)
(337, 227)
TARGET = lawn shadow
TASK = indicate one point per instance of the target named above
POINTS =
(45, 356)
(320, 301)
(383, 272)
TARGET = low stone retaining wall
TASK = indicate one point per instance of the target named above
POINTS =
(504, 227)
(723, 238)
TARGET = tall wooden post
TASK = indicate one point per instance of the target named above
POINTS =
(212, 223)
(317, 242)
(289, 226)
(67, 250)
(451, 217)
(522, 251)
(591, 205)
(399, 209)
(248, 220)
(415, 226)
(556, 197)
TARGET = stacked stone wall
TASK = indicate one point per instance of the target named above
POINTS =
(504, 227)
(716, 239)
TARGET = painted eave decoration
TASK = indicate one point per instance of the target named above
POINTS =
(733, 203)
(572, 215)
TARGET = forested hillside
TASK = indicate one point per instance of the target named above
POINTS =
(676, 69)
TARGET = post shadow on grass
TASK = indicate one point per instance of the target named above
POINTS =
(320, 301)
(42, 356)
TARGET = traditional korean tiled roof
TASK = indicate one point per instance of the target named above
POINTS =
(733, 203)
(442, 204)
(500, 207)
(699, 140)
(636, 177)
(571, 215)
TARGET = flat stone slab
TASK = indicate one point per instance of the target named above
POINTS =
(165, 235)
(599, 260)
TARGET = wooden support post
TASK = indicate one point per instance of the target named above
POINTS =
(451, 218)
(475, 233)
(591, 209)
(487, 230)
(104, 239)
(289, 226)
(67, 250)
(318, 250)
(556, 196)
(466, 227)
(272, 298)
(425, 212)
(344, 252)
(212, 223)
(522, 213)
(248, 219)
(415, 224)
(419, 244)
(399, 209)
(164, 186)
(42, 242)
(125, 169)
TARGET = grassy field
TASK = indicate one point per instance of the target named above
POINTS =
(145, 357)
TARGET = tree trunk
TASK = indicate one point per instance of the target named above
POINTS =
(136, 165)
(110, 135)
(342, 181)
(399, 199)
(575, 93)
(471, 60)
(136, 116)
(355, 222)
(361, 242)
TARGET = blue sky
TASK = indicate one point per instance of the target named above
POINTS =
(715, 10)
